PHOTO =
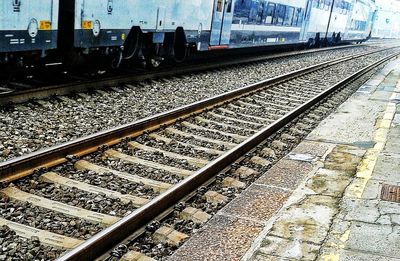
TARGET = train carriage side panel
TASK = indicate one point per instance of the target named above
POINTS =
(386, 24)
(340, 18)
(28, 25)
(193, 16)
(107, 23)
(264, 23)
(360, 25)
(318, 19)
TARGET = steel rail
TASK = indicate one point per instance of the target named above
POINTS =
(66, 88)
(107, 238)
(53, 156)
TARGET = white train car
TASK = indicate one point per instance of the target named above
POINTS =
(266, 23)
(109, 23)
(361, 19)
(327, 20)
(317, 19)
(28, 26)
(149, 31)
(339, 19)
(387, 20)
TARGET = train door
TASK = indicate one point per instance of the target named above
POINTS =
(222, 22)
(306, 22)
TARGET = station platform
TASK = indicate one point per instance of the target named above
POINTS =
(334, 197)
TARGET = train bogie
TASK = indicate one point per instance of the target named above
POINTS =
(27, 26)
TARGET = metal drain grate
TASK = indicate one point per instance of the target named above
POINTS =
(390, 193)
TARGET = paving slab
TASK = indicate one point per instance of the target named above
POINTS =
(223, 238)
(362, 117)
(251, 204)
(292, 250)
(347, 255)
(262, 257)
(375, 238)
(328, 182)
(286, 174)
(393, 141)
(388, 168)
(317, 149)
(307, 221)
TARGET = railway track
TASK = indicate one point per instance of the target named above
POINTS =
(109, 186)
(39, 87)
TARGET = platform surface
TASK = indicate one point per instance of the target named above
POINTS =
(324, 200)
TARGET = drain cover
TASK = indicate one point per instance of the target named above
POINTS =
(390, 193)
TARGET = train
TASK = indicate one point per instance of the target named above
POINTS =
(387, 20)
(117, 32)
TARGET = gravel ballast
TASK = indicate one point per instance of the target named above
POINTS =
(35, 125)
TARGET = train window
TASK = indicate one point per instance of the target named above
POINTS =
(270, 13)
(279, 14)
(347, 7)
(288, 16)
(300, 17)
(260, 19)
(321, 4)
(337, 6)
(328, 5)
(229, 6)
(353, 24)
(219, 5)
(295, 17)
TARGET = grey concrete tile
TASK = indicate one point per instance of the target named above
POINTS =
(360, 256)
(263, 257)
(288, 249)
(393, 140)
(387, 168)
(344, 158)
(329, 182)
(373, 188)
(361, 113)
(348, 255)
(308, 220)
(361, 210)
(396, 119)
(375, 239)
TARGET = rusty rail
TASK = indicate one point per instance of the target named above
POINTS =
(53, 156)
(106, 239)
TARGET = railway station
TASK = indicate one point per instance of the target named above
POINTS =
(248, 130)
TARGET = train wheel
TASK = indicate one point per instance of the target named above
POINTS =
(154, 58)
(154, 62)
